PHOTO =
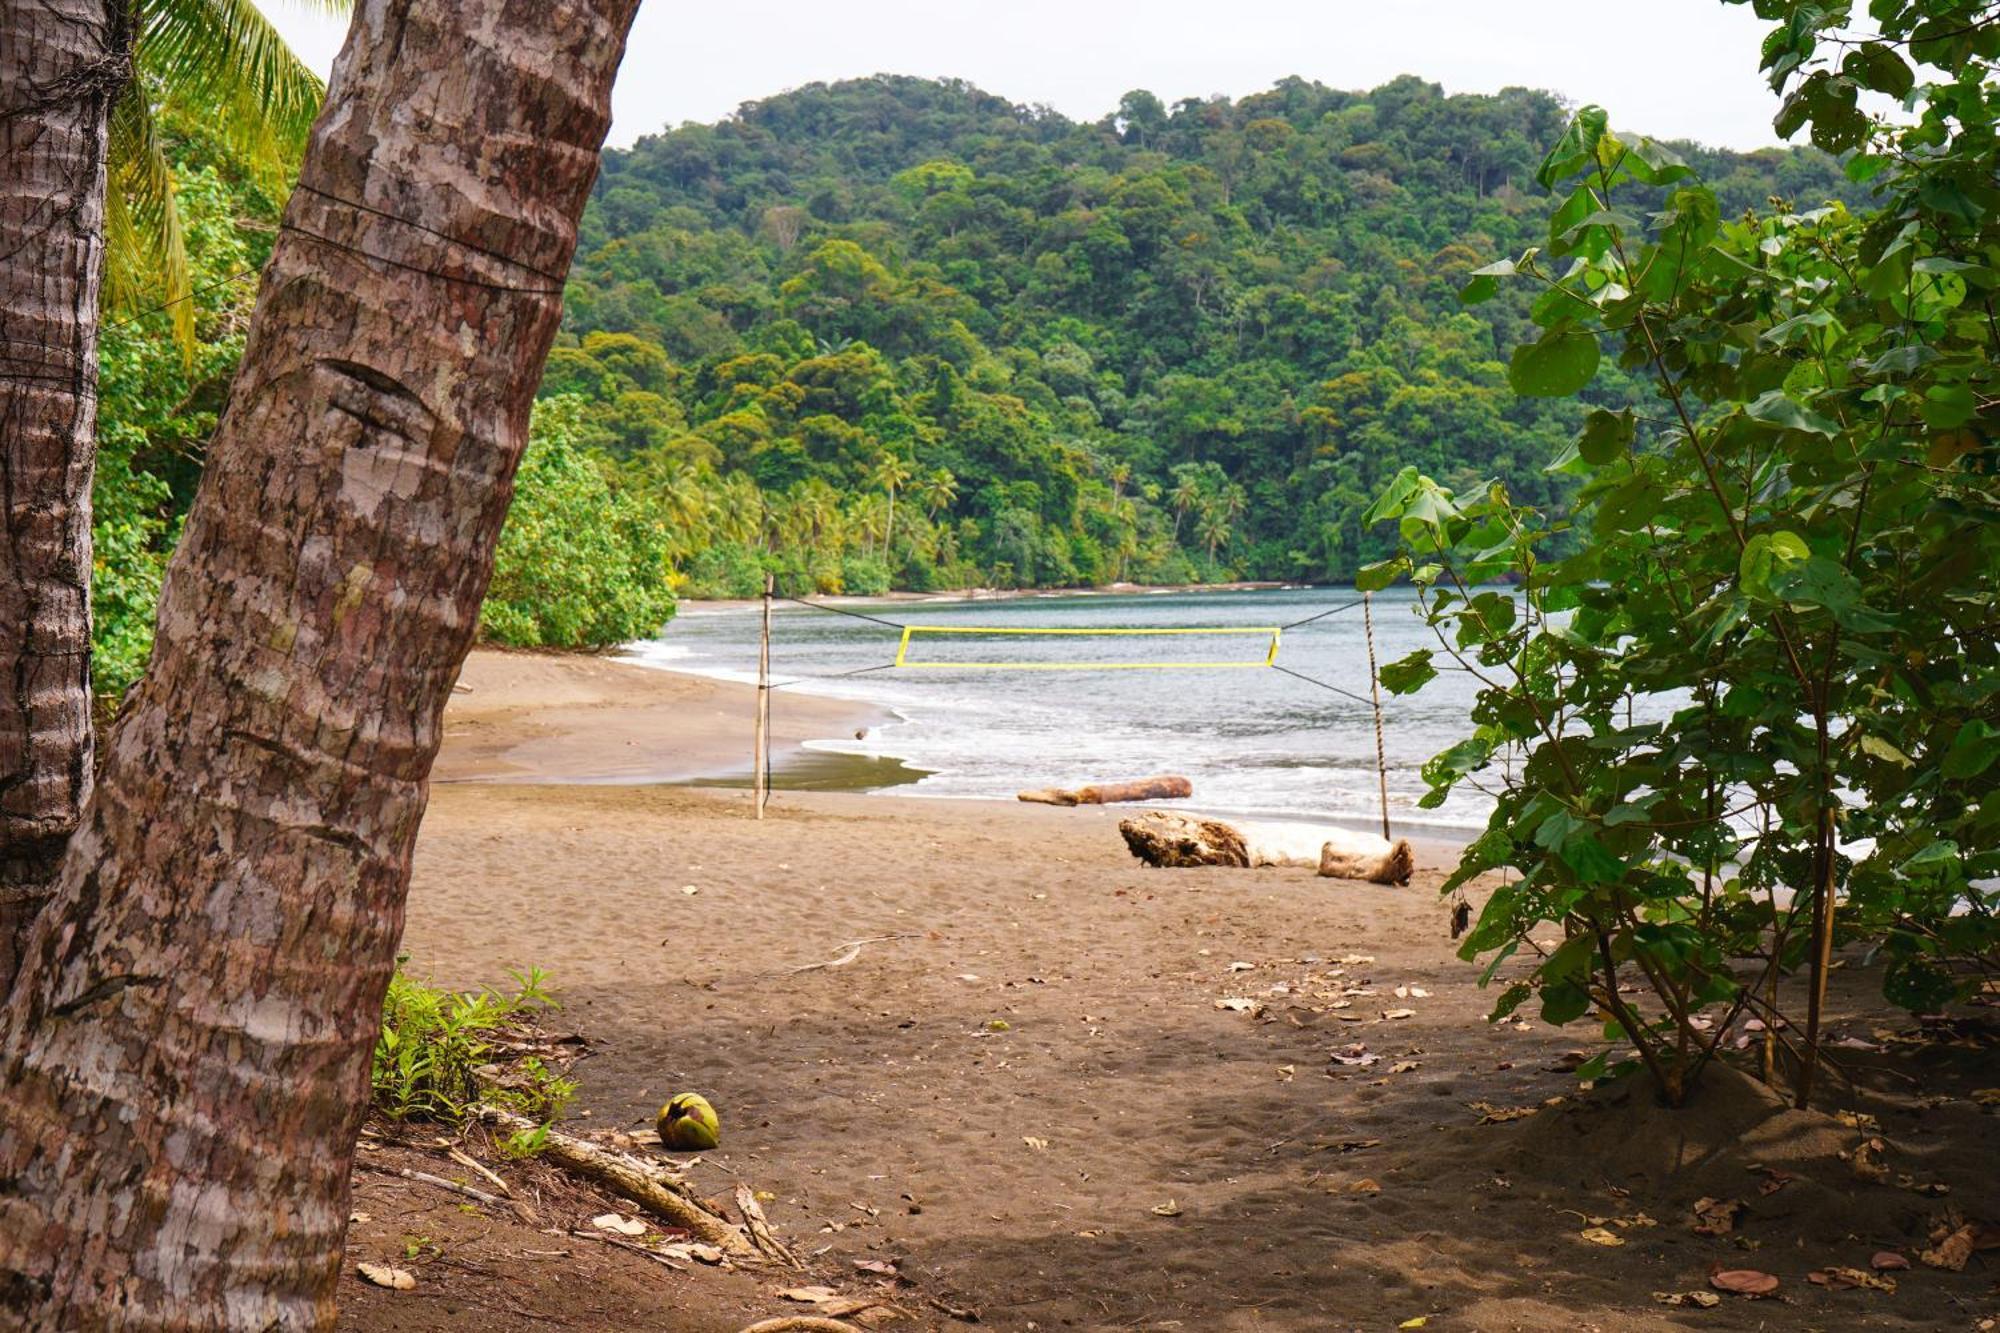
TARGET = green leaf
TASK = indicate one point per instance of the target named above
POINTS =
(1382, 573)
(1972, 751)
(1881, 749)
(1776, 409)
(1591, 860)
(1767, 555)
(1556, 365)
(1576, 149)
(1875, 65)
(1606, 437)
(1409, 674)
(1948, 406)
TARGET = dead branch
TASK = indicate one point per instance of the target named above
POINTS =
(426, 1178)
(759, 1227)
(471, 1163)
(632, 1179)
(654, 1255)
(853, 948)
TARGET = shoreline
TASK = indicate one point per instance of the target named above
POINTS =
(530, 719)
(905, 597)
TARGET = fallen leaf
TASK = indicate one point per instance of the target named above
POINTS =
(1743, 1282)
(1716, 1217)
(356, 1219)
(690, 890)
(1404, 1066)
(1168, 1209)
(1774, 1180)
(1888, 1261)
(1239, 1005)
(1394, 1014)
(1039, 1145)
(881, 1267)
(1241, 967)
(1599, 1236)
(1705, 1299)
(1866, 1161)
(1355, 1054)
(1419, 1322)
(809, 1295)
(1366, 1185)
(1286, 1072)
(1489, 1114)
(618, 1222)
(1951, 1253)
(1842, 1279)
(382, 1275)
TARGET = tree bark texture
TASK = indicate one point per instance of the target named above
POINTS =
(184, 1058)
(62, 64)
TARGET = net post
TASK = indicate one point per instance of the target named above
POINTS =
(1375, 693)
(761, 758)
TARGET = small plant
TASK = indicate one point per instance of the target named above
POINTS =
(436, 1056)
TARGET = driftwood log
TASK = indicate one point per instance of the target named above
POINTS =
(1168, 839)
(629, 1178)
(1164, 788)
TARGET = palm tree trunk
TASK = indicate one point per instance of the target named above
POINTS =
(65, 62)
(184, 1063)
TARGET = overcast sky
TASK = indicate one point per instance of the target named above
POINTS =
(1673, 68)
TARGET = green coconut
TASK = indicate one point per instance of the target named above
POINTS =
(689, 1124)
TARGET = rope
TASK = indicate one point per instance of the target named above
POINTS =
(841, 611)
(1332, 611)
(838, 675)
(1322, 684)
(1375, 692)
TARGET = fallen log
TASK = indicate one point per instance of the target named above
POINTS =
(1169, 839)
(1162, 839)
(1163, 788)
(629, 1178)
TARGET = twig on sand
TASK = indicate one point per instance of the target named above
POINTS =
(471, 1163)
(426, 1178)
(654, 1255)
(802, 1323)
(853, 948)
(759, 1227)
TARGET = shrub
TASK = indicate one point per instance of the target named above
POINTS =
(436, 1057)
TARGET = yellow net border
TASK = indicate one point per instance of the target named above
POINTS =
(904, 660)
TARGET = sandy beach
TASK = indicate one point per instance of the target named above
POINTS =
(981, 1045)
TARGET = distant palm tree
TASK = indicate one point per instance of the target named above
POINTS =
(890, 471)
(1186, 498)
(939, 491)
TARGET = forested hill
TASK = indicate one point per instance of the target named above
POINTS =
(895, 330)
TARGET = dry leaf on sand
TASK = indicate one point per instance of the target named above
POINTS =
(1888, 1261)
(1716, 1217)
(382, 1275)
(1168, 1209)
(1704, 1299)
(619, 1223)
(1841, 1279)
(1743, 1282)
(1600, 1236)
(1951, 1253)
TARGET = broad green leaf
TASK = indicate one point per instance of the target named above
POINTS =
(1972, 751)
(1409, 674)
(1606, 436)
(1766, 555)
(1556, 365)
(1777, 409)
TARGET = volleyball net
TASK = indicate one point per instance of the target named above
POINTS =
(1271, 634)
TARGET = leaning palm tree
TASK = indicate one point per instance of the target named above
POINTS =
(889, 472)
(83, 179)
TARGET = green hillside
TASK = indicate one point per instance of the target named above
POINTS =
(894, 331)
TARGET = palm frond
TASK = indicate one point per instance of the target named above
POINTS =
(146, 263)
(223, 61)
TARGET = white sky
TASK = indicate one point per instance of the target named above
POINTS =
(1672, 68)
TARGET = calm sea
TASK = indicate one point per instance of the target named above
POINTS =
(1255, 741)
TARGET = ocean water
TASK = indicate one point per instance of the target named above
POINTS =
(1254, 741)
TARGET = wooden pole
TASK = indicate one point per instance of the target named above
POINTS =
(761, 761)
(1375, 692)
